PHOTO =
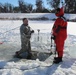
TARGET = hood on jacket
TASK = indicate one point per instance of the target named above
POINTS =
(60, 12)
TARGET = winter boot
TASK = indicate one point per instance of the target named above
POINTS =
(17, 54)
(29, 56)
(57, 60)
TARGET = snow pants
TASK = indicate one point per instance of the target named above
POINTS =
(59, 41)
(25, 45)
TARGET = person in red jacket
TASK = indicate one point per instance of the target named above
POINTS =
(59, 33)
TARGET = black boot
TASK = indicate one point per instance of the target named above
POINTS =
(17, 56)
(29, 56)
(57, 60)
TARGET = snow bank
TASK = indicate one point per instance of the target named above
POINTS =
(34, 15)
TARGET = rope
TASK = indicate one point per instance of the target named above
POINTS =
(6, 32)
(2, 34)
(10, 30)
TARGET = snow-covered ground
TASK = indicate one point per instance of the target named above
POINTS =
(11, 43)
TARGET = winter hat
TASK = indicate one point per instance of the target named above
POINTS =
(59, 12)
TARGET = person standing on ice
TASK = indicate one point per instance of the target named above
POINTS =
(59, 33)
(25, 32)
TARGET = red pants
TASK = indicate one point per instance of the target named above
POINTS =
(59, 46)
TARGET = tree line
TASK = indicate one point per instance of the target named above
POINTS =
(24, 7)
(70, 5)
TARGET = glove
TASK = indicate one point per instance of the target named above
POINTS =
(32, 31)
(53, 37)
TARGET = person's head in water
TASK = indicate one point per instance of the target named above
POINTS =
(25, 21)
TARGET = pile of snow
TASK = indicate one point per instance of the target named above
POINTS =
(34, 15)
(68, 67)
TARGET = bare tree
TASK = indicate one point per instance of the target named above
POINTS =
(1, 7)
(53, 3)
(16, 9)
(30, 8)
(70, 6)
(22, 6)
(39, 6)
(25, 7)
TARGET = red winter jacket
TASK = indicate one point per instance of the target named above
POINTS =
(60, 25)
